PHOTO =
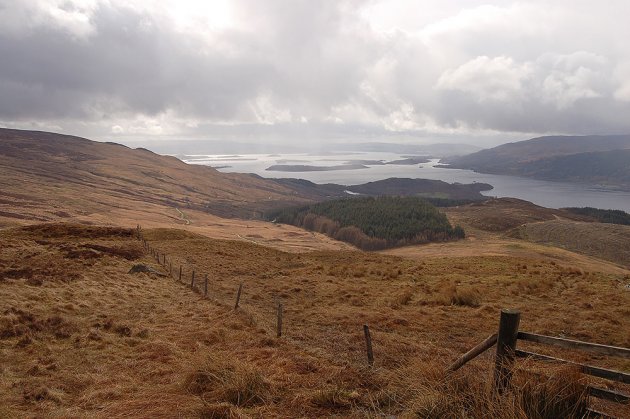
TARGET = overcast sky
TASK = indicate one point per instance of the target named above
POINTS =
(307, 70)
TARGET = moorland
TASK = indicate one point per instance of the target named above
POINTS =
(82, 335)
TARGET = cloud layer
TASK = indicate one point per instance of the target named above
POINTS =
(324, 69)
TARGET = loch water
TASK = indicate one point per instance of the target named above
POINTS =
(544, 193)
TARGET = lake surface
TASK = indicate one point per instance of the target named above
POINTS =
(545, 193)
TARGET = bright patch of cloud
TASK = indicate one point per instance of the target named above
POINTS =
(488, 79)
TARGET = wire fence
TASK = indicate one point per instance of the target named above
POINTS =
(270, 312)
(275, 316)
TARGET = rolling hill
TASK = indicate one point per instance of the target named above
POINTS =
(54, 177)
(599, 160)
(82, 335)
(603, 241)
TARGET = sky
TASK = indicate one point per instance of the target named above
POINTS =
(291, 71)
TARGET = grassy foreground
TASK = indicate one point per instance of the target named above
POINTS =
(80, 336)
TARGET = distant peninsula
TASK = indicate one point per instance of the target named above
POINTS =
(411, 160)
(309, 168)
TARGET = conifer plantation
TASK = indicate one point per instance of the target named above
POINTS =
(374, 223)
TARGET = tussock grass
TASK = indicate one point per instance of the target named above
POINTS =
(459, 295)
(221, 381)
(139, 345)
(219, 411)
(561, 395)
(333, 398)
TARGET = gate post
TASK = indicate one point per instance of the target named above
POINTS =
(506, 345)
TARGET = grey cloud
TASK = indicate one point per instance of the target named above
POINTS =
(316, 67)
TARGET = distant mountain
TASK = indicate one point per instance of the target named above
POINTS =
(433, 150)
(196, 147)
(602, 160)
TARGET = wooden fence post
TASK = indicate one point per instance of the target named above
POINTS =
(170, 268)
(192, 280)
(368, 344)
(180, 273)
(205, 286)
(279, 322)
(506, 345)
(238, 295)
(164, 259)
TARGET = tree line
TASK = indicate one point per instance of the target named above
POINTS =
(603, 215)
(373, 223)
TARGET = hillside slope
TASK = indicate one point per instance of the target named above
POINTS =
(51, 177)
(503, 214)
(80, 336)
(603, 241)
(591, 159)
(46, 176)
(609, 168)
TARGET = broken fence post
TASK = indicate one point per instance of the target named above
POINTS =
(279, 322)
(192, 280)
(205, 286)
(238, 295)
(368, 344)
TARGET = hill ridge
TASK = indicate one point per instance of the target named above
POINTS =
(558, 158)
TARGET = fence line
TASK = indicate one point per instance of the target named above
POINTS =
(506, 353)
(264, 314)
(505, 340)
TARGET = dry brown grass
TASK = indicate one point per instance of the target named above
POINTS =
(463, 295)
(604, 241)
(52, 177)
(222, 381)
(563, 394)
(111, 344)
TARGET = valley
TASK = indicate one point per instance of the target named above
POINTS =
(82, 336)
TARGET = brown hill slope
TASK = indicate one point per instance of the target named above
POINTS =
(604, 241)
(80, 336)
(503, 214)
(47, 176)
(500, 225)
